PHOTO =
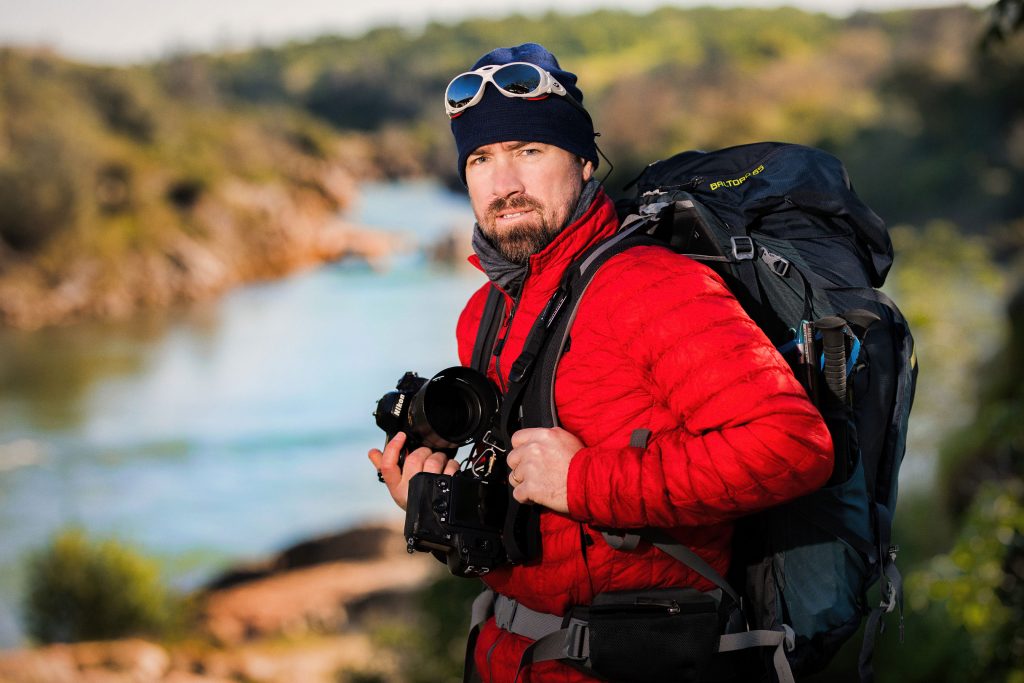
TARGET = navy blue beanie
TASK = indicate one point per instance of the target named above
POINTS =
(552, 120)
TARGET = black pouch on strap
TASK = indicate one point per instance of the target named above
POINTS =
(653, 636)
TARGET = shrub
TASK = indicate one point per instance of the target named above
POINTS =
(80, 589)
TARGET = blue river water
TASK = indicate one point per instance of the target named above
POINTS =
(225, 430)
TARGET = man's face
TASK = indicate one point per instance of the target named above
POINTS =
(523, 193)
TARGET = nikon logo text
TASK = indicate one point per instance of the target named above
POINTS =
(397, 410)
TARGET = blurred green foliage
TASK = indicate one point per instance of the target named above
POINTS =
(991, 447)
(951, 290)
(128, 188)
(108, 163)
(976, 587)
(929, 126)
(83, 589)
(115, 160)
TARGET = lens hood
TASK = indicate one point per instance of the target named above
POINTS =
(454, 408)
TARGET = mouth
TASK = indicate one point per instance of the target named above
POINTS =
(511, 215)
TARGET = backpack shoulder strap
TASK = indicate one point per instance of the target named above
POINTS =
(494, 307)
(538, 396)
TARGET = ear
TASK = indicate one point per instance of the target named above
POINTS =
(587, 170)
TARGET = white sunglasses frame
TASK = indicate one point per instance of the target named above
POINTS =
(548, 85)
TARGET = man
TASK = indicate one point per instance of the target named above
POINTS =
(658, 344)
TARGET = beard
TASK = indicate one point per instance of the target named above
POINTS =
(524, 239)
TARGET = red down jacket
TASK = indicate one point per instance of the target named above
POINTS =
(658, 343)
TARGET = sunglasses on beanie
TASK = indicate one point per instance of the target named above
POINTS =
(515, 79)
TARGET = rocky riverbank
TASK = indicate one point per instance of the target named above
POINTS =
(242, 232)
(123, 189)
(306, 615)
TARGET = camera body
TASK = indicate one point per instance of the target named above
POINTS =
(459, 516)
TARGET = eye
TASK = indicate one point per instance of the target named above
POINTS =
(477, 160)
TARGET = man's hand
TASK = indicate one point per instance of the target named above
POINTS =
(539, 466)
(420, 460)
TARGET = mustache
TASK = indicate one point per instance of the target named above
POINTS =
(517, 203)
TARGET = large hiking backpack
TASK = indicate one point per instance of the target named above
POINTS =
(803, 255)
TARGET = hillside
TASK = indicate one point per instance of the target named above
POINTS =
(119, 192)
(127, 188)
(929, 125)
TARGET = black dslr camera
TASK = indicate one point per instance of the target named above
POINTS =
(453, 408)
(460, 517)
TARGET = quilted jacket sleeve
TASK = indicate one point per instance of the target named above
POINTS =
(733, 432)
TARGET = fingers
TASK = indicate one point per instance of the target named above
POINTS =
(386, 461)
(423, 460)
(519, 493)
(524, 489)
(393, 449)
(435, 463)
(526, 435)
(539, 466)
(514, 457)
(525, 472)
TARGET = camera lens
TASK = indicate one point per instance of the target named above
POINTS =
(454, 407)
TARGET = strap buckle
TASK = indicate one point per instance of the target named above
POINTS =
(484, 455)
(742, 248)
(577, 640)
(778, 264)
(888, 603)
(653, 208)
(890, 594)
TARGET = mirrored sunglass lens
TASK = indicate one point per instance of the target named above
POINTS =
(518, 79)
(462, 90)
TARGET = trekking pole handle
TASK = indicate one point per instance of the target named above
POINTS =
(834, 343)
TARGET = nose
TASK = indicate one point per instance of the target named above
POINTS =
(506, 180)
